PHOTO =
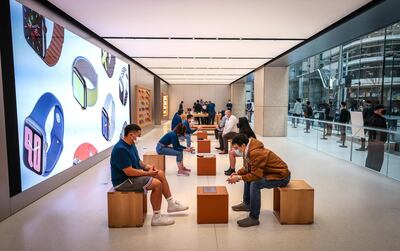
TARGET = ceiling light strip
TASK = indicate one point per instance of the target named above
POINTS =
(185, 57)
(209, 38)
(202, 68)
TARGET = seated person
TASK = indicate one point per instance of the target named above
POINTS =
(176, 119)
(221, 125)
(244, 128)
(172, 138)
(129, 173)
(229, 132)
(262, 168)
(189, 131)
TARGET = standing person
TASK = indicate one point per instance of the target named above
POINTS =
(249, 109)
(176, 119)
(211, 112)
(344, 119)
(230, 130)
(244, 128)
(197, 109)
(367, 112)
(204, 110)
(172, 138)
(329, 116)
(262, 168)
(181, 106)
(201, 102)
(297, 111)
(189, 131)
(129, 173)
(308, 113)
(229, 105)
(376, 139)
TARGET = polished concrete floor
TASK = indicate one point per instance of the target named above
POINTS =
(355, 209)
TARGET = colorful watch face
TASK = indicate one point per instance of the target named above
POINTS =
(33, 148)
(123, 86)
(35, 31)
(105, 59)
(105, 124)
(83, 152)
(79, 88)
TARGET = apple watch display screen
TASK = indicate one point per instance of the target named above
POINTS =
(79, 88)
(34, 31)
(105, 124)
(64, 86)
(33, 147)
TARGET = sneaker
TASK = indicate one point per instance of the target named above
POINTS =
(161, 220)
(176, 206)
(229, 171)
(187, 169)
(248, 222)
(183, 173)
(224, 152)
(241, 207)
(218, 148)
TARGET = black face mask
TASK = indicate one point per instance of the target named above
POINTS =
(383, 112)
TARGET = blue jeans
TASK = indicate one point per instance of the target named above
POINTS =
(252, 193)
(169, 151)
(188, 140)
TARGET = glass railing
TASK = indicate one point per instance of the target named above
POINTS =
(369, 147)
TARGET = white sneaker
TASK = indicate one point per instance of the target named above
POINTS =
(161, 220)
(176, 206)
(183, 173)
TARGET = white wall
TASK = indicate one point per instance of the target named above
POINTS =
(219, 94)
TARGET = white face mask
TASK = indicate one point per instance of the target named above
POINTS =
(137, 140)
(238, 152)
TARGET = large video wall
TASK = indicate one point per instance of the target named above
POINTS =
(72, 96)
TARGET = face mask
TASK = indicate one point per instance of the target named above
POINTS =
(383, 112)
(238, 152)
(137, 140)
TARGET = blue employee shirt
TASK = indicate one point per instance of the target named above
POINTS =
(211, 108)
(175, 121)
(123, 155)
(171, 138)
(188, 129)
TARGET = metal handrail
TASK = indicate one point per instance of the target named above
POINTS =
(347, 125)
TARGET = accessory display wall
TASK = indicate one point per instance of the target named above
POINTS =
(164, 105)
(143, 106)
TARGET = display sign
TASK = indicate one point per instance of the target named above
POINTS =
(72, 96)
(357, 119)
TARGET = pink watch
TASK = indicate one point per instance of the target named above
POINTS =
(83, 152)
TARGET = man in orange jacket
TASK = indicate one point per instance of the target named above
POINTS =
(262, 168)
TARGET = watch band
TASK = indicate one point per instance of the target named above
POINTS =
(53, 52)
(123, 86)
(83, 152)
(109, 107)
(86, 69)
(40, 114)
(109, 64)
(123, 130)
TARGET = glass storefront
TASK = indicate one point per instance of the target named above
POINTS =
(367, 68)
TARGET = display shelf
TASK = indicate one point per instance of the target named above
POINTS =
(143, 106)
(165, 105)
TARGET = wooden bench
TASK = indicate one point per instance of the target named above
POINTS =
(294, 204)
(126, 209)
(154, 159)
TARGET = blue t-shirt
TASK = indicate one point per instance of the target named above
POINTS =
(189, 130)
(123, 155)
(175, 121)
(170, 138)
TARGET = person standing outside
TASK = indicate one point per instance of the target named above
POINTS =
(344, 119)
(329, 116)
(376, 139)
(367, 113)
(249, 110)
(297, 111)
(308, 113)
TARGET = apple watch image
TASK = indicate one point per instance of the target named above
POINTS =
(83, 70)
(123, 130)
(123, 86)
(38, 156)
(108, 62)
(83, 152)
(108, 118)
(35, 34)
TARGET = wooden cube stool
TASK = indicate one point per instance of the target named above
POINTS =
(154, 159)
(212, 205)
(202, 135)
(204, 146)
(294, 204)
(206, 164)
(126, 209)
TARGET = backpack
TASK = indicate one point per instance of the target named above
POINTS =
(332, 112)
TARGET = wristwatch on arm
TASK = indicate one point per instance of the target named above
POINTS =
(37, 155)
(82, 72)
(108, 118)
(35, 34)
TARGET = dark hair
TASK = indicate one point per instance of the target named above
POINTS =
(308, 102)
(240, 140)
(189, 116)
(131, 128)
(298, 99)
(343, 103)
(181, 101)
(197, 101)
(180, 112)
(180, 129)
(244, 127)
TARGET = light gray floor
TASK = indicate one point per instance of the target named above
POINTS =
(355, 209)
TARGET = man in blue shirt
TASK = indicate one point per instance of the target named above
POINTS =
(189, 131)
(176, 119)
(211, 112)
(129, 173)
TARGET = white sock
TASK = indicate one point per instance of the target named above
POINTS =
(157, 213)
(170, 200)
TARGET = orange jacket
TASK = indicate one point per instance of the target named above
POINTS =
(259, 162)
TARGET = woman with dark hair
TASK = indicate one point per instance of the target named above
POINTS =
(244, 128)
(172, 138)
